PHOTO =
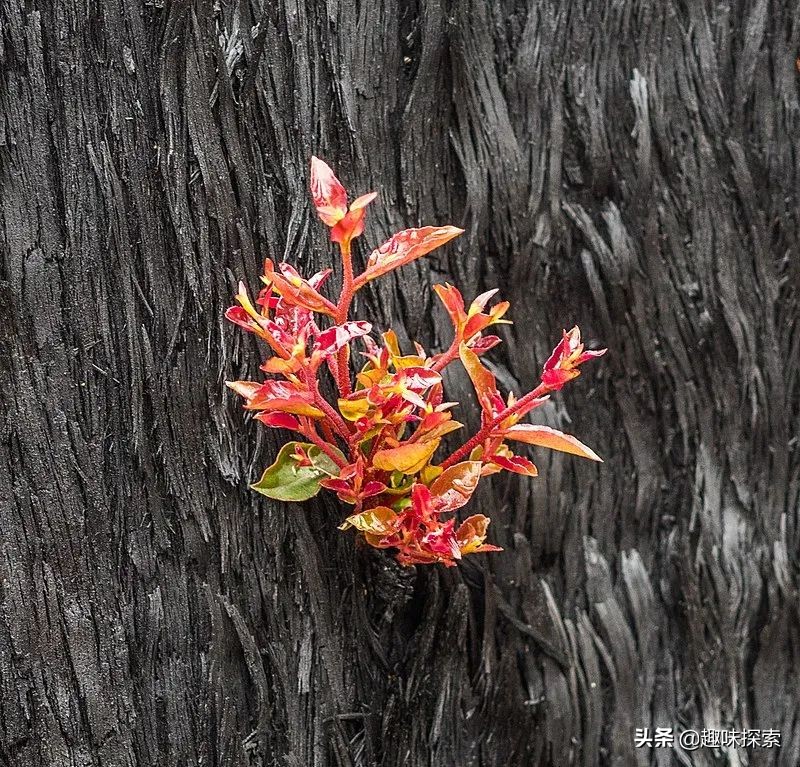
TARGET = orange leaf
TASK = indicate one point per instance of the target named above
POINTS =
(363, 201)
(453, 302)
(482, 379)
(544, 436)
(245, 302)
(505, 459)
(436, 425)
(408, 459)
(246, 389)
(298, 407)
(274, 395)
(456, 484)
(471, 535)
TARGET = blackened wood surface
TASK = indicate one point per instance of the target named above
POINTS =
(631, 166)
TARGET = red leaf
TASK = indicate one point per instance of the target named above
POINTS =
(240, 317)
(330, 197)
(334, 338)
(532, 405)
(478, 321)
(278, 420)
(350, 227)
(246, 316)
(292, 287)
(372, 488)
(330, 200)
(339, 486)
(562, 365)
(515, 463)
(472, 322)
(442, 543)
(484, 343)
(419, 379)
(405, 247)
(283, 396)
(556, 378)
(246, 389)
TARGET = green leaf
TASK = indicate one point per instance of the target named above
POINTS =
(401, 503)
(322, 461)
(285, 480)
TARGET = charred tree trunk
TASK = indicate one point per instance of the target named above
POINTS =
(629, 166)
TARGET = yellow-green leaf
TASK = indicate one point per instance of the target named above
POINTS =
(429, 473)
(353, 409)
(379, 521)
(322, 461)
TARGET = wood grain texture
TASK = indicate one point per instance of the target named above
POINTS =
(630, 166)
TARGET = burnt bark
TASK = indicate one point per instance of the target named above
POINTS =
(631, 167)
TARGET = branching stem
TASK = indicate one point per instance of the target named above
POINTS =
(486, 431)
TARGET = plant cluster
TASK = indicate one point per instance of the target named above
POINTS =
(375, 445)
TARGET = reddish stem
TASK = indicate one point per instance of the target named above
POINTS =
(486, 431)
(328, 432)
(343, 372)
(342, 308)
(336, 419)
(446, 357)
